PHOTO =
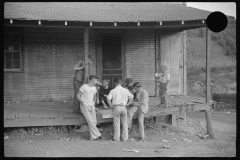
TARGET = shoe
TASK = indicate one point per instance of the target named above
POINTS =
(98, 139)
(129, 130)
(143, 139)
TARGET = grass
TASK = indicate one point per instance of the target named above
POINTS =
(196, 54)
(40, 130)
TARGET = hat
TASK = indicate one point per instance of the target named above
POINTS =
(129, 80)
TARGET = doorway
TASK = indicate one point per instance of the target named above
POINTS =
(111, 57)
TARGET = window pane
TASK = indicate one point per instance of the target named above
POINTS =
(16, 64)
(9, 64)
(15, 36)
(7, 41)
(8, 56)
(15, 45)
(16, 56)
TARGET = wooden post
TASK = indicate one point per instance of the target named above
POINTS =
(174, 114)
(208, 112)
(86, 50)
(184, 62)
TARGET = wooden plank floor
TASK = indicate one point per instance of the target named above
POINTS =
(49, 116)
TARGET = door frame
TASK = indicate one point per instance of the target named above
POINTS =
(100, 33)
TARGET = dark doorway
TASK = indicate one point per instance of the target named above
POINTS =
(111, 58)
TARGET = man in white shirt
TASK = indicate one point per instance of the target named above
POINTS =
(121, 98)
(87, 98)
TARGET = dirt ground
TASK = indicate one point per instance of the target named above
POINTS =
(79, 145)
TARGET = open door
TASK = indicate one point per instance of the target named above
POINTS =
(110, 57)
(170, 54)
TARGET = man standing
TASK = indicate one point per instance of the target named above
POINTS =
(77, 83)
(141, 105)
(87, 98)
(121, 98)
(129, 85)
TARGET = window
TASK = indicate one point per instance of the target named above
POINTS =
(12, 52)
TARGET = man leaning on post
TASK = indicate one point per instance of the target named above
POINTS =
(121, 98)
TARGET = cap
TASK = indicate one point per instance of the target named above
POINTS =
(129, 80)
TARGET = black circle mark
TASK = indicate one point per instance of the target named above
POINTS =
(217, 21)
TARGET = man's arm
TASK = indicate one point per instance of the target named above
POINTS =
(109, 98)
(130, 98)
(76, 67)
(143, 99)
(78, 96)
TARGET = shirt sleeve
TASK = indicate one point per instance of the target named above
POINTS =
(110, 95)
(129, 94)
(82, 88)
(95, 90)
(143, 99)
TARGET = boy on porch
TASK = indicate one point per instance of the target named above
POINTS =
(163, 77)
(87, 98)
(103, 92)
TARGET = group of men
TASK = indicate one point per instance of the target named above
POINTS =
(119, 98)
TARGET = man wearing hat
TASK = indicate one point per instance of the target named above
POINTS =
(87, 98)
(129, 85)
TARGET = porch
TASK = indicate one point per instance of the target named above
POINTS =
(54, 113)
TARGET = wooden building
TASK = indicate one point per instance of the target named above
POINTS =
(43, 41)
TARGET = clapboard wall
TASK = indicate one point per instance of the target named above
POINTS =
(140, 58)
(49, 57)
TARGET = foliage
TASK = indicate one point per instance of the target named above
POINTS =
(223, 42)
(42, 130)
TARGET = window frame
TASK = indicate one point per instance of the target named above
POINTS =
(20, 51)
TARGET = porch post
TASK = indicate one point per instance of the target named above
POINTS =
(86, 50)
(208, 95)
(184, 62)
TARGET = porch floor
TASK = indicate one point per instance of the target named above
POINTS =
(53, 113)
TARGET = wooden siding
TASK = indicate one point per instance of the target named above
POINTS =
(140, 58)
(170, 50)
(50, 54)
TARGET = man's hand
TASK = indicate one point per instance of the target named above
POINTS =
(105, 95)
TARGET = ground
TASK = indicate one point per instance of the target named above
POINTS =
(220, 82)
(78, 144)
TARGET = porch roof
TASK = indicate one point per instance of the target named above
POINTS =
(102, 12)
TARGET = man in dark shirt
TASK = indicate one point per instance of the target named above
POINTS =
(78, 82)
(103, 93)
(129, 86)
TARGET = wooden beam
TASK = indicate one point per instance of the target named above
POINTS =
(86, 52)
(157, 61)
(185, 62)
(208, 45)
(208, 113)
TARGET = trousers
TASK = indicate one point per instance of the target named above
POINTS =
(141, 115)
(120, 114)
(90, 116)
(162, 93)
(76, 103)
